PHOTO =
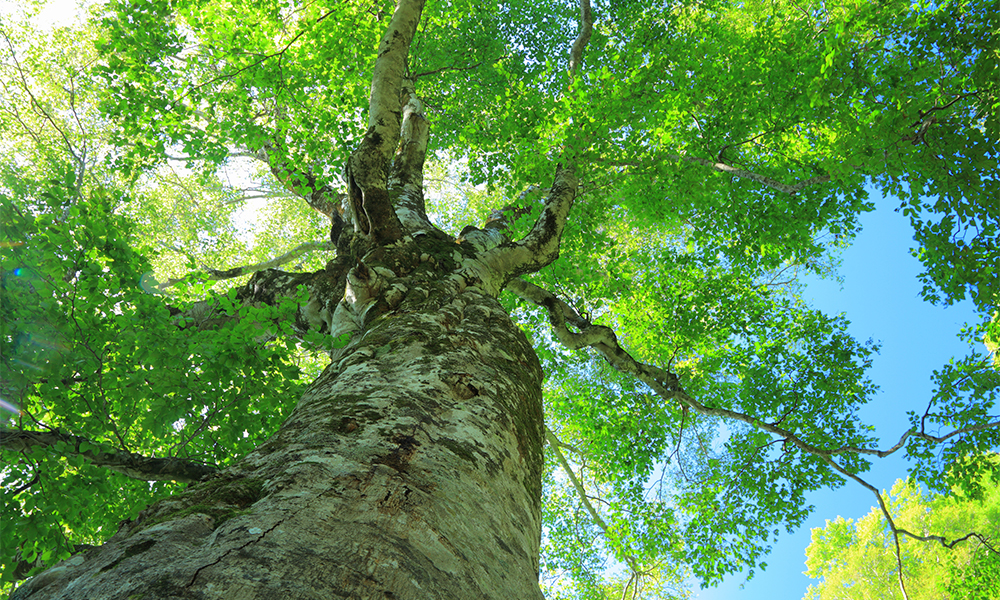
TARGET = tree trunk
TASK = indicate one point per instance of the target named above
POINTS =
(411, 468)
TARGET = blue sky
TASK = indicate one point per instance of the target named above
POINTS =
(881, 297)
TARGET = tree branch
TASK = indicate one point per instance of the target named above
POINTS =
(452, 68)
(324, 198)
(368, 165)
(219, 275)
(583, 37)
(41, 111)
(132, 465)
(541, 245)
(407, 173)
(325, 289)
(266, 57)
(555, 444)
(746, 174)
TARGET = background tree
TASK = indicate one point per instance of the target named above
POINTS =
(684, 162)
(856, 559)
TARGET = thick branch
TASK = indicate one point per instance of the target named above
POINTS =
(133, 465)
(495, 231)
(322, 197)
(583, 37)
(325, 289)
(368, 166)
(541, 245)
(666, 385)
(387, 76)
(407, 174)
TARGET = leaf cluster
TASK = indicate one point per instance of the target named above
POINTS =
(88, 349)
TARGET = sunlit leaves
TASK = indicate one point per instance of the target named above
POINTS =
(854, 558)
(87, 350)
(964, 399)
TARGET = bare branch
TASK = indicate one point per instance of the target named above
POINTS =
(265, 57)
(556, 445)
(132, 465)
(219, 275)
(746, 174)
(452, 68)
(917, 434)
(78, 158)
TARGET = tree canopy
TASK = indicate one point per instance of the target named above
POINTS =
(714, 151)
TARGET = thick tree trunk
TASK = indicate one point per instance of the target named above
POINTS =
(411, 468)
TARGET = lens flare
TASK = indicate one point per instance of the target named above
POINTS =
(4, 405)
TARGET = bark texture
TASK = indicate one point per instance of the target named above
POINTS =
(411, 468)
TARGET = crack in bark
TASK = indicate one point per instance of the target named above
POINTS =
(236, 549)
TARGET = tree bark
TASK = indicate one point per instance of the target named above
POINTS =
(411, 468)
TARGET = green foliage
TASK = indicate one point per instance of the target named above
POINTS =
(856, 559)
(87, 350)
(967, 390)
(198, 221)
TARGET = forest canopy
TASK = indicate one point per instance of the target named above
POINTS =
(188, 188)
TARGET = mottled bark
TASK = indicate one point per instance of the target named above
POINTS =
(371, 207)
(410, 469)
